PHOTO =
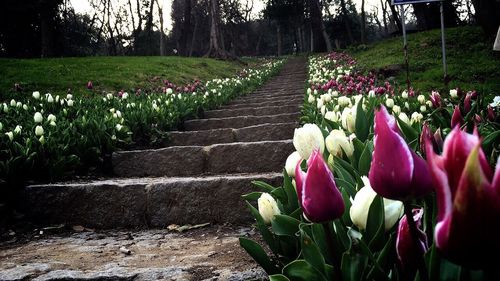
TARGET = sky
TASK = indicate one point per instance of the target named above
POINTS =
(82, 6)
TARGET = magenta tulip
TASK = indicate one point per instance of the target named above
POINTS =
(396, 171)
(468, 197)
(467, 103)
(408, 252)
(491, 113)
(90, 86)
(435, 99)
(319, 197)
(456, 119)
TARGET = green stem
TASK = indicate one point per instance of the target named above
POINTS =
(422, 268)
(327, 228)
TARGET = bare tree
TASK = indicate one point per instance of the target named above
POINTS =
(162, 33)
(363, 22)
(216, 44)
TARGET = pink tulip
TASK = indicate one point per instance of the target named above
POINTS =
(435, 99)
(90, 86)
(318, 194)
(468, 197)
(396, 171)
(467, 103)
(457, 119)
(408, 252)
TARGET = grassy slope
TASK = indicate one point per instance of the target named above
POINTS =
(107, 73)
(471, 62)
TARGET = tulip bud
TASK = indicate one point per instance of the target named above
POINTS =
(18, 129)
(10, 135)
(453, 93)
(291, 163)
(396, 171)
(38, 117)
(268, 207)
(349, 119)
(403, 117)
(404, 94)
(51, 117)
(90, 86)
(396, 109)
(457, 119)
(408, 252)
(393, 209)
(308, 138)
(332, 116)
(38, 131)
(69, 102)
(118, 127)
(491, 114)
(50, 99)
(42, 139)
(337, 141)
(467, 103)
(319, 197)
(435, 99)
(389, 103)
(421, 99)
(13, 103)
(36, 95)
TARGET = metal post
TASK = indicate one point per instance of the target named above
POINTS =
(405, 46)
(443, 44)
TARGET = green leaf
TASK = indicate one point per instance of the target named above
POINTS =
(264, 186)
(342, 236)
(263, 229)
(409, 133)
(259, 255)
(285, 225)
(359, 147)
(361, 125)
(291, 193)
(278, 277)
(365, 159)
(300, 270)
(353, 266)
(383, 260)
(319, 237)
(252, 196)
(311, 252)
(375, 224)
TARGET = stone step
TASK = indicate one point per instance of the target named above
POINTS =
(253, 111)
(144, 202)
(265, 98)
(263, 132)
(238, 122)
(294, 101)
(208, 253)
(240, 157)
(273, 93)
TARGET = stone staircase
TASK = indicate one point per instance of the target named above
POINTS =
(199, 178)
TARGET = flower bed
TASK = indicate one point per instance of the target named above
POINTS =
(49, 136)
(387, 171)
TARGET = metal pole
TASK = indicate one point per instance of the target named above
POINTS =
(443, 43)
(405, 46)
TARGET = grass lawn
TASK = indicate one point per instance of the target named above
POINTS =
(472, 64)
(107, 73)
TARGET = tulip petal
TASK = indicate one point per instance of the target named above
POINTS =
(496, 178)
(300, 177)
(391, 169)
(321, 199)
(457, 147)
(421, 182)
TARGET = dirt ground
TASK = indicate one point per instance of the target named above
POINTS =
(208, 253)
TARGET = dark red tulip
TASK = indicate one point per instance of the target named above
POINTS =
(90, 86)
(318, 194)
(491, 113)
(467, 103)
(468, 197)
(396, 172)
(409, 252)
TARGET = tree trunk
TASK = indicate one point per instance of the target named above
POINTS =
(487, 15)
(363, 22)
(317, 27)
(395, 16)
(46, 31)
(346, 21)
(278, 38)
(162, 34)
(215, 45)
(384, 15)
(193, 38)
(186, 28)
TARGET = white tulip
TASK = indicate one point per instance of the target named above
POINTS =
(268, 207)
(118, 127)
(389, 103)
(311, 99)
(13, 103)
(396, 109)
(1, 126)
(51, 117)
(19, 104)
(50, 99)
(371, 93)
(109, 96)
(291, 163)
(57, 98)
(361, 205)
(323, 110)
(454, 93)
(69, 96)
(429, 103)
(349, 119)
(38, 131)
(423, 108)
(416, 117)
(335, 93)
(319, 103)
(309, 91)
(10, 135)
(18, 129)
(42, 139)
(25, 106)
(125, 96)
(404, 117)
(421, 99)
(332, 116)
(38, 117)
(404, 94)
(52, 123)
(337, 141)
(69, 102)
(169, 91)
(36, 95)
(307, 139)
(5, 108)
